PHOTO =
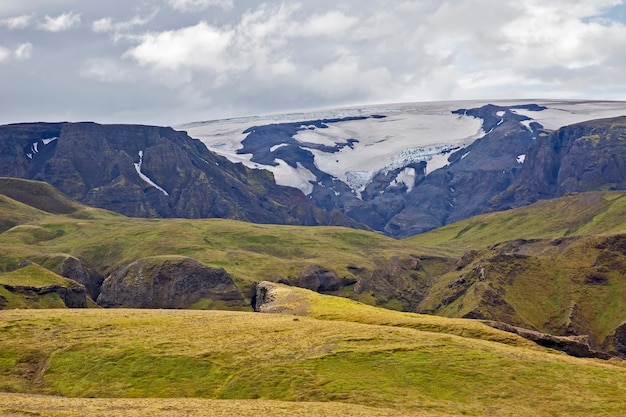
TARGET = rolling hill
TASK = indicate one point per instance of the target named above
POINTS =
(553, 267)
(357, 360)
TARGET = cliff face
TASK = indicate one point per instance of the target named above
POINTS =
(147, 171)
(588, 156)
(169, 283)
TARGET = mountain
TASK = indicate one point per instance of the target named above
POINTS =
(147, 171)
(587, 156)
(555, 266)
(398, 169)
(405, 169)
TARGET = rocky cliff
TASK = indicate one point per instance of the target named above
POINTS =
(147, 171)
(169, 282)
(588, 156)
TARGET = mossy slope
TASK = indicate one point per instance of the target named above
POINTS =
(238, 356)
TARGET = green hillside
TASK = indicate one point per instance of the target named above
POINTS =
(105, 242)
(571, 215)
(349, 364)
(555, 266)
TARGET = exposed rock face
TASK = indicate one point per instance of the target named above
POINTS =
(147, 171)
(588, 156)
(400, 283)
(73, 297)
(73, 268)
(168, 283)
(574, 346)
(619, 340)
(276, 298)
(322, 280)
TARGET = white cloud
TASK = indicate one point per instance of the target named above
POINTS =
(5, 54)
(17, 22)
(60, 23)
(329, 24)
(242, 57)
(200, 46)
(23, 51)
(102, 25)
(106, 24)
(199, 5)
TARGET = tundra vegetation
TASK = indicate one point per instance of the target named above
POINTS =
(308, 353)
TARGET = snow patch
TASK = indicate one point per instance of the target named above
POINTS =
(144, 176)
(563, 113)
(288, 176)
(526, 124)
(273, 148)
(382, 142)
(406, 177)
(47, 141)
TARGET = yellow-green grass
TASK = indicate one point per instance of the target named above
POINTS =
(35, 276)
(571, 215)
(387, 363)
(32, 277)
(17, 405)
(249, 252)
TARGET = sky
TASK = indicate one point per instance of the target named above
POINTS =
(168, 62)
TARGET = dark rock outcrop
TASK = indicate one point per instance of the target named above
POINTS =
(73, 268)
(619, 340)
(572, 345)
(322, 280)
(171, 282)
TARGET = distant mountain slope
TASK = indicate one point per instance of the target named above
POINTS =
(407, 168)
(587, 156)
(211, 263)
(150, 171)
(556, 266)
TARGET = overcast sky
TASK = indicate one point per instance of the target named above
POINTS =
(173, 61)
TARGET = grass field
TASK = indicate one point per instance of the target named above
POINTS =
(396, 361)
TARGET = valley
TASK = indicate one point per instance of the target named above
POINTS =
(293, 263)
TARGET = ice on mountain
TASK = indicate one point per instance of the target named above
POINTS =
(406, 177)
(273, 148)
(288, 176)
(144, 176)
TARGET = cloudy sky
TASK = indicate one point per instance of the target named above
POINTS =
(173, 61)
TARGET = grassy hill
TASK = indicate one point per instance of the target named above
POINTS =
(105, 242)
(392, 364)
(571, 215)
(555, 266)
